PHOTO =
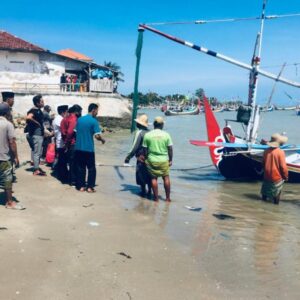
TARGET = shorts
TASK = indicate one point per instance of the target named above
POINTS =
(6, 177)
(158, 169)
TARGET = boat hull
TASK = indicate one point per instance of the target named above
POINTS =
(240, 166)
(245, 167)
(182, 113)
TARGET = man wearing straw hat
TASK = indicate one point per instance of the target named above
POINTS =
(158, 148)
(275, 169)
(141, 172)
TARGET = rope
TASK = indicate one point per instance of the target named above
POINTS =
(201, 22)
(277, 66)
(177, 169)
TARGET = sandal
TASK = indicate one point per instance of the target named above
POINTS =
(82, 189)
(16, 206)
(39, 173)
(42, 171)
(91, 190)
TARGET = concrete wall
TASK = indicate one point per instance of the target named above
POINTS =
(11, 61)
(111, 105)
(17, 68)
(30, 72)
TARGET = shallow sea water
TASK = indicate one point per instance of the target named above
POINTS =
(257, 252)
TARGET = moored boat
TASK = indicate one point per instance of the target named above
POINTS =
(183, 112)
(236, 158)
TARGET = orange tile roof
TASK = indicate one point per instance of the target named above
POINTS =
(11, 42)
(73, 54)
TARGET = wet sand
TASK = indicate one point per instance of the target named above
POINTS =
(51, 250)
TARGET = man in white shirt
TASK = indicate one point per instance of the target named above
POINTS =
(60, 164)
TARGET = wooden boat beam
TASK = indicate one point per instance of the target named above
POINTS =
(220, 56)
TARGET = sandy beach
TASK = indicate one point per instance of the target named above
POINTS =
(72, 245)
(113, 244)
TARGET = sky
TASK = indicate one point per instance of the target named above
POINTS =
(107, 31)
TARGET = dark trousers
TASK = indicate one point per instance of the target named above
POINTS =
(60, 167)
(72, 164)
(46, 142)
(85, 160)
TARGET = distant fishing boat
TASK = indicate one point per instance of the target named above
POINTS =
(218, 109)
(183, 112)
(266, 109)
(289, 108)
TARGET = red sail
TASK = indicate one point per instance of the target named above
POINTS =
(214, 134)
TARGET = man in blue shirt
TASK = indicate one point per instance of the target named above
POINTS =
(86, 129)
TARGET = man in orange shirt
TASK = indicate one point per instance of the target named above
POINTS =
(275, 169)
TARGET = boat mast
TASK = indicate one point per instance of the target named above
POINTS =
(253, 81)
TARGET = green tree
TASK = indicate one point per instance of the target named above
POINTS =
(116, 70)
(200, 93)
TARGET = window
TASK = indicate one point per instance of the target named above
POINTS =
(16, 62)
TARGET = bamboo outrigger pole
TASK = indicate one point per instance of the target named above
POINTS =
(202, 22)
(219, 55)
(138, 53)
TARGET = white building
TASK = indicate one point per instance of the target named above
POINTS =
(25, 67)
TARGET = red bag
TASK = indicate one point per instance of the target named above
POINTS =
(50, 155)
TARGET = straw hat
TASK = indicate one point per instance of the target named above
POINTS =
(159, 120)
(142, 120)
(277, 140)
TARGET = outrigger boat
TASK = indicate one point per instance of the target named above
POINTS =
(236, 157)
(183, 112)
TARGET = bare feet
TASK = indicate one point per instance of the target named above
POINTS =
(14, 205)
(82, 189)
(39, 173)
(168, 200)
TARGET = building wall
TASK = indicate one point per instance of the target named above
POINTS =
(58, 60)
(111, 105)
(11, 61)
(28, 72)
(22, 70)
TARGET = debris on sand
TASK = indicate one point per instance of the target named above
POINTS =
(44, 239)
(124, 254)
(94, 224)
(193, 208)
(223, 216)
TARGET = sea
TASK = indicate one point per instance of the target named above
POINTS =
(257, 247)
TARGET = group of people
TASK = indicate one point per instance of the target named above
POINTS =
(72, 133)
(154, 154)
(72, 83)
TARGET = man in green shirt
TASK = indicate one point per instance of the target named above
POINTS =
(158, 148)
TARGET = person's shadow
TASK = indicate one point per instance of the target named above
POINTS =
(133, 189)
(253, 197)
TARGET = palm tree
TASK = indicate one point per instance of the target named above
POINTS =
(116, 69)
